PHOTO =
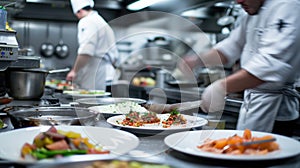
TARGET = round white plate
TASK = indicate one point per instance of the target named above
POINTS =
(117, 141)
(188, 141)
(192, 122)
(118, 109)
(76, 93)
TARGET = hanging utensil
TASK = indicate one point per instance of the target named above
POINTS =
(31, 50)
(47, 48)
(61, 49)
(27, 48)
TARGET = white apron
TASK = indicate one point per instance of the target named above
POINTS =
(92, 76)
(268, 50)
(263, 107)
(96, 39)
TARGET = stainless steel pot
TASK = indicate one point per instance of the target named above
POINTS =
(28, 83)
(52, 116)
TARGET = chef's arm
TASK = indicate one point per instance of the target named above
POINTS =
(240, 81)
(212, 99)
(213, 57)
(81, 61)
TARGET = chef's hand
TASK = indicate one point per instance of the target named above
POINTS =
(71, 75)
(213, 97)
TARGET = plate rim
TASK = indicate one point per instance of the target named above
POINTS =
(67, 92)
(199, 153)
(92, 108)
(142, 101)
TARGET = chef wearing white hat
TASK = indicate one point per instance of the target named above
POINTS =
(79, 4)
(96, 51)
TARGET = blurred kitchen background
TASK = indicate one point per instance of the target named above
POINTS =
(52, 21)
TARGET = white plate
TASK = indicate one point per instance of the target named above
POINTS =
(188, 141)
(76, 93)
(118, 108)
(192, 122)
(117, 141)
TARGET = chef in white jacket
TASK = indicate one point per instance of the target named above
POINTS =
(97, 52)
(267, 42)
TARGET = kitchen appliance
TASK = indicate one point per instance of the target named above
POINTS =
(157, 53)
(8, 54)
(8, 48)
(10, 58)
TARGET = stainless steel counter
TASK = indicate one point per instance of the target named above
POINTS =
(152, 149)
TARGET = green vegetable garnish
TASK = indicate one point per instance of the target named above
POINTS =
(174, 112)
(1, 124)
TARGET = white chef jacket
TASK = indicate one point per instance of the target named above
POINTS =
(96, 38)
(268, 47)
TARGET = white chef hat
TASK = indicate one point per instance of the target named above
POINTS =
(79, 4)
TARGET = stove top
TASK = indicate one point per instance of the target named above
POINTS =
(44, 101)
(47, 100)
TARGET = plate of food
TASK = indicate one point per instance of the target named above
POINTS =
(233, 145)
(86, 93)
(59, 84)
(46, 144)
(90, 162)
(152, 123)
(120, 108)
(2, 124)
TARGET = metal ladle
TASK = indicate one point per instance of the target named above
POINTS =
(227, 19)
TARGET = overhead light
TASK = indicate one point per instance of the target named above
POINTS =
(33, 1)
(141, 4)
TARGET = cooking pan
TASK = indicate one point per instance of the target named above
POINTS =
(61, 49)
(28, 83)
(52, 116)
(88, 102)
(47, 48)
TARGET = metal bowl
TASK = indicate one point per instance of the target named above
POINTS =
(52, 116)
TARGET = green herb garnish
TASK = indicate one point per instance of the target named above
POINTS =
(174, 112)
